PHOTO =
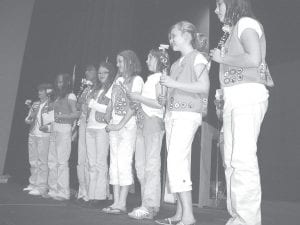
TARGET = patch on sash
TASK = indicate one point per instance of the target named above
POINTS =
(233, 75)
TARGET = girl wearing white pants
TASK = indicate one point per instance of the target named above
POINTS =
(60, 138)
(149, 138)
(38, 142)
(188, 87)
(82, 105)
(97, 138)
(243, 77)
(123, 129)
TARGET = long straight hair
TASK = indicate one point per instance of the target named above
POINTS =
(236, 9)
(66, 88)
(132, 63)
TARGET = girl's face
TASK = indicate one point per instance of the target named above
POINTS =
(91, 74)
(177, 39)
(60, 82)
(121, 64)
(151, 63)
(103, 74)
(221, 10)
(42, 94)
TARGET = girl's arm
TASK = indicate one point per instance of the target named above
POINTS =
(115, 127)
(147, 101)
(201, 86)
(108, 112)
(252, 56)
(97, 106)
(29, 119)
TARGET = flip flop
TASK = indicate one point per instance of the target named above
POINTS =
(167, 221)
(140, 214)
(181, 223)
(107, 209)
(116, 211)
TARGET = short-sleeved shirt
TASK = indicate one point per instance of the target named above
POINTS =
(149, 91)
(36, 130)
(254, 92)
(247, 22)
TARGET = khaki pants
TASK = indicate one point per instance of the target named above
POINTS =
(148, 164)
(38, 148)
(82, 162)
(58, 161)
(179, 138)
(122, 145)
(241, 129)
(97, 141)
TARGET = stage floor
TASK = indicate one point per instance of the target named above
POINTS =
(19, 208)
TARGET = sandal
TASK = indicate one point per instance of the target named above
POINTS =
(181, 223)
(167, 221)
(140, 214)
(106, 209)
(116, 211)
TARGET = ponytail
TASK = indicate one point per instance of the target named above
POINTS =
(200, 42)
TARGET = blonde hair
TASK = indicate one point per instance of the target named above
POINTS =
(199, 41)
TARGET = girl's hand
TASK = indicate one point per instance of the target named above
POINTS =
(215, 55)
(89, 101)
(28, 120)
(44, 128)
(35, 106)
(113, 127)
(167, 81)
(162, 100)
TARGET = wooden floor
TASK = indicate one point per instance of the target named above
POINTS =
(19, 208)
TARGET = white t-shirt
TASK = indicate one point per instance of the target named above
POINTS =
(149, 91)
(248, 22)
(36, 131)
(247, 93)
(137, 86)
(95, 106)
(197, 117)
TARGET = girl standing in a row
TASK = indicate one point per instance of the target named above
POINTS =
(188, 87)
(149, 138)
(122, 129)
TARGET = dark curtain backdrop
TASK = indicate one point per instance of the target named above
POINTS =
(68, 32)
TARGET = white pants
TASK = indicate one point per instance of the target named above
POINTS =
(122, 145)
(148, 164)
(179, 137)
(58, 161)
(97, 141)
(82, 162)
(38, 148)
(241, 129)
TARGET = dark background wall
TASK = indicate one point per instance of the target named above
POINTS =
(15, 17)
(279, 144)
(68, 32)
